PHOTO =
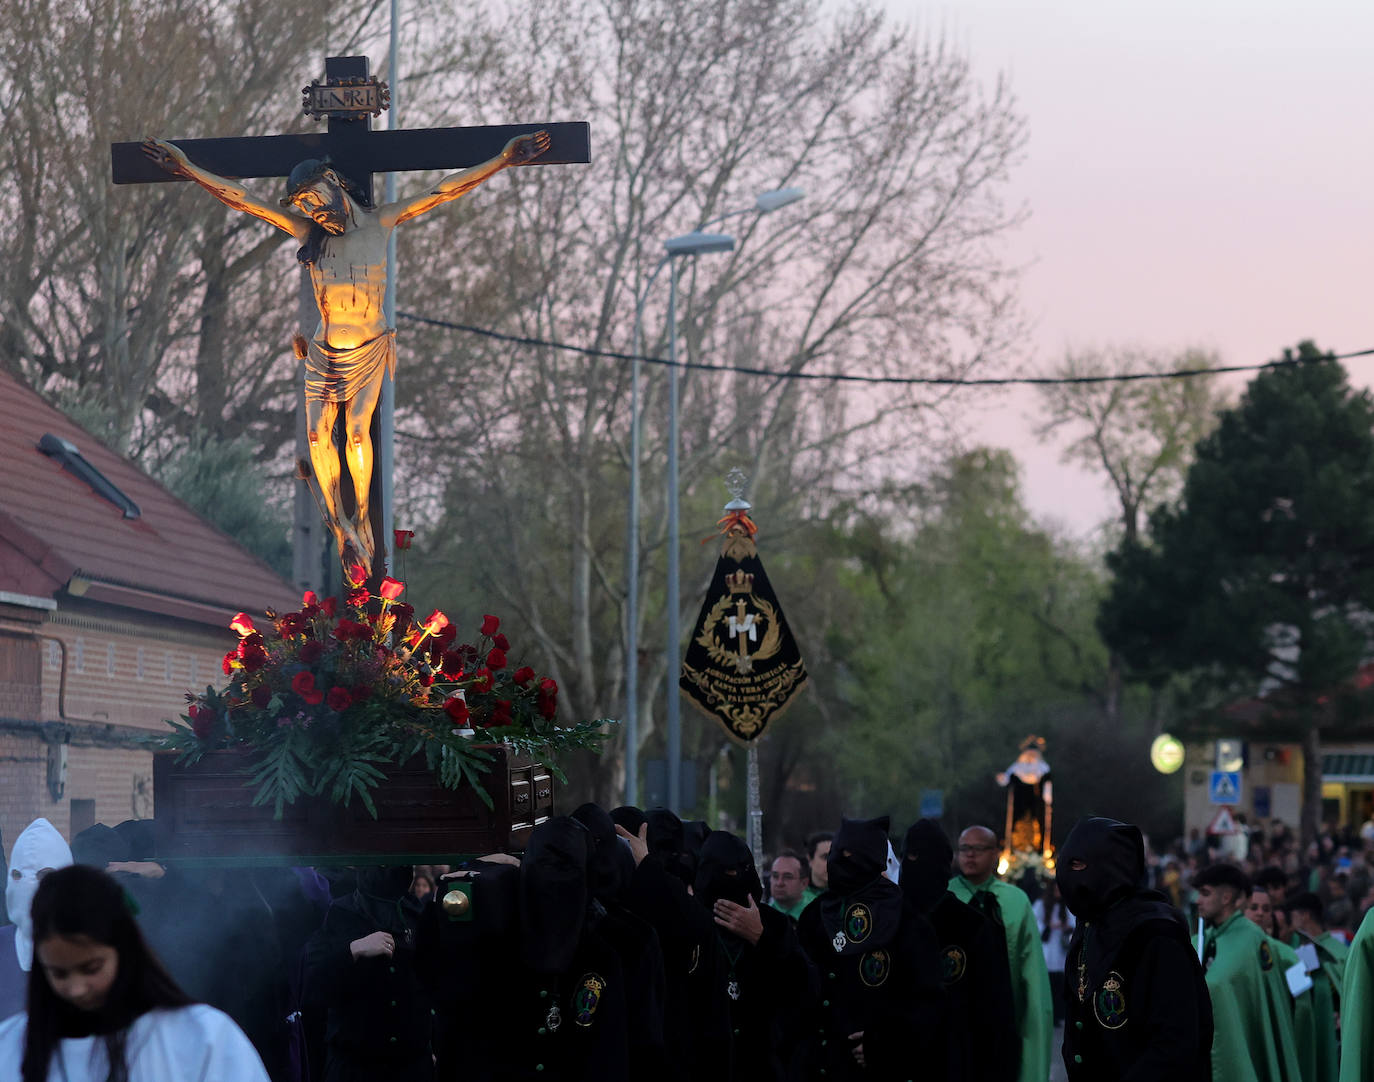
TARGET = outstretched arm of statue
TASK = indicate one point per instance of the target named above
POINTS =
(228, 192)
(521, 149)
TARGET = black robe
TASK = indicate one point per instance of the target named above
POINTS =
(380, 1016)
(889, 989)
(976, 977)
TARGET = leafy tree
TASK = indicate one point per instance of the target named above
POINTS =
(1139, 434)
(1261, 576)
(978, 628)
(885, 267)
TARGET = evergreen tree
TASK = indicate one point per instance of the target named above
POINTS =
(1260, 578)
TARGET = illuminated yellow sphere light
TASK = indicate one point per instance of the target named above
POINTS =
(1166, 753)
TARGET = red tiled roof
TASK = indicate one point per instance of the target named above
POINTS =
(53, 526)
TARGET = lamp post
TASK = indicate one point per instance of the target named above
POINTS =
(688, 244)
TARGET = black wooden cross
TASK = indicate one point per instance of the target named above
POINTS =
(350, 99)
(354, 148)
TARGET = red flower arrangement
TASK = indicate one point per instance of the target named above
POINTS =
(337, 690)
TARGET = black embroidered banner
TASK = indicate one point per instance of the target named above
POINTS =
(743, 667)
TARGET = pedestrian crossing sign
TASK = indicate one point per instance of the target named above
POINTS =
(1224, 787)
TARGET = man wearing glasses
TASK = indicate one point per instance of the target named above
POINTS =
(787, 883)
(1007, 906)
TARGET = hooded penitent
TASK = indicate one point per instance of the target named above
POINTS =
(1107, 894)
(1113, 855)
(862, 909)
(725, 870)
(606, 868)
(554, 893)
(39, 848)
(925, 869)
(666, 840)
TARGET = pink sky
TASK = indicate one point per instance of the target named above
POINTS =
(1198, 173)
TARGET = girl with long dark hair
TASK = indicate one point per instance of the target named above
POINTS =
(101, 1008)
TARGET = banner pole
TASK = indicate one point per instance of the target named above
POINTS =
(755, 826)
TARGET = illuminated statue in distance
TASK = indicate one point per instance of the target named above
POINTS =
(343, 242)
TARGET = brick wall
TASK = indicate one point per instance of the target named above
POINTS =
(126, 670)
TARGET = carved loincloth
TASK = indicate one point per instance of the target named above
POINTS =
(338, 375)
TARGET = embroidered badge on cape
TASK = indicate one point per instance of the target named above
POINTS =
(875, 967)
(953, 964)
(1266, 957)
(1109, 1005)
(839, 942)
(858, 923)
(587, 999)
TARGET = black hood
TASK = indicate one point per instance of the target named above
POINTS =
(554, 893)
(605, 868)
(926, 860)
(98, 846)
(726, 870)
(858, 855)
(1114, 857)
(629, 817)
(666, 841)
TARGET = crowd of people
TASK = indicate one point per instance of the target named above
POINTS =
(630, 945)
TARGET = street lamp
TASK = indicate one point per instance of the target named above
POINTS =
(694, 243)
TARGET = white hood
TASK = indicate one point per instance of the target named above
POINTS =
(894, 866)
(38, 848)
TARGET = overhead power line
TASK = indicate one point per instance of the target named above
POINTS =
(851, 377)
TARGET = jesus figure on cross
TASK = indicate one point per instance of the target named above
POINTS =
(343, 241)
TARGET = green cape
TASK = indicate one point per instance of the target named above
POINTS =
(1251, 1007)
(1357, 1007)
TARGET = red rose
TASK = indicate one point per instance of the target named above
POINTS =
(230, 662)
(435, 622)
(501, 713)
(359, 597)
(303, 684)
(548, 707)
(501, 642)
(523, 676)
(242, 624)
(489, 624)
(391, 588)
(451, 664)
(457, 709)
(447, 634)
(254, 656)
(338, 699)
(496, 659)
(261, 696)
(355, 575)
(329, 606)
(547, 687)
(294, 623)
(481, 680)
(351, 629)
(308, 599)
(404, 538)
(202, 720)
(311, 651)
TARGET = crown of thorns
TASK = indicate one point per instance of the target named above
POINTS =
(311, 171)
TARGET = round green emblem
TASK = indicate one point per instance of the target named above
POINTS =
(1109, 1005)
(953, 963)
(858, 923)
(1266, 957)
(875, 967)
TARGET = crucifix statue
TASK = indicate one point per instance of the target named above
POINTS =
(328, 209)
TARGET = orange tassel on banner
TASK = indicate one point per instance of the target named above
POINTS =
(732, 520)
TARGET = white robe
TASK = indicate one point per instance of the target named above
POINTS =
(188, 1044)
